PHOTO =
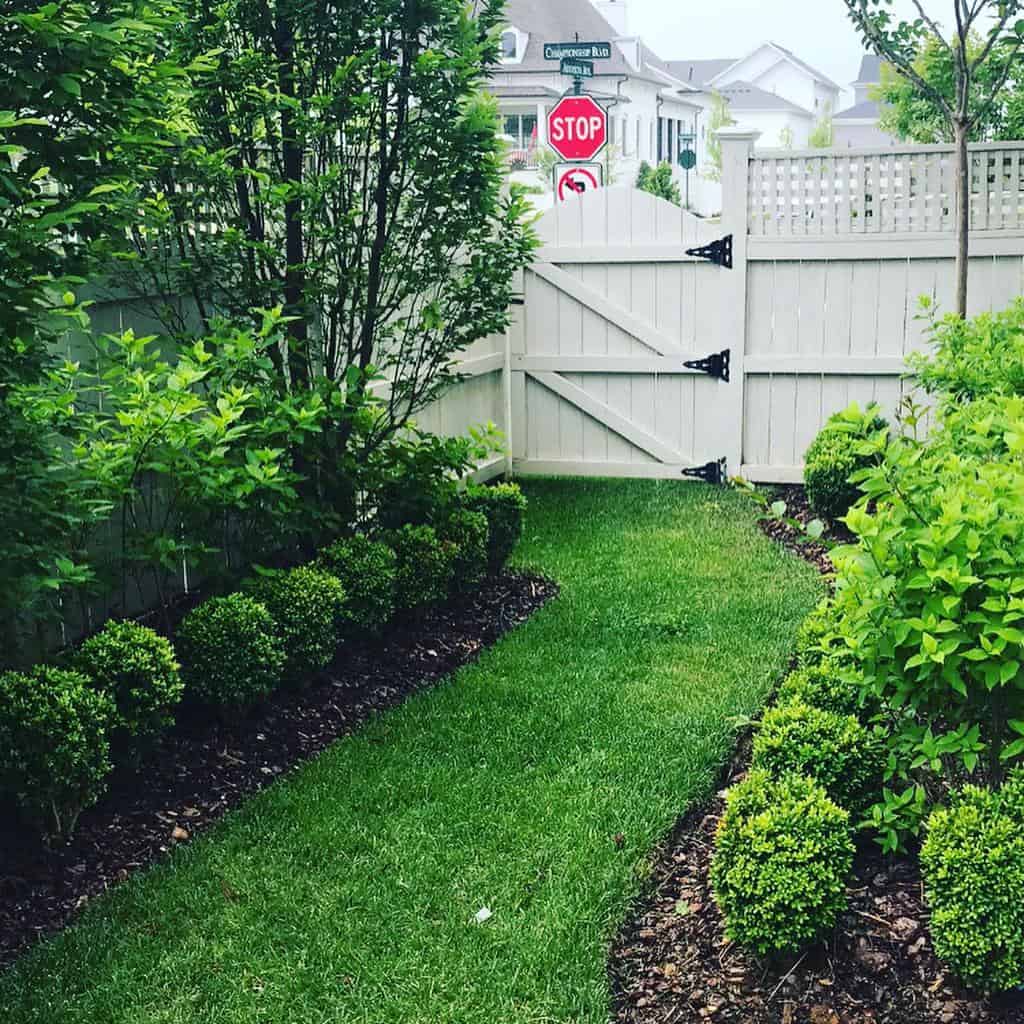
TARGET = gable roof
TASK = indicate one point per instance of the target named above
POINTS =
(870, 70)
(699, 72)
(744, 96)
(818, 76)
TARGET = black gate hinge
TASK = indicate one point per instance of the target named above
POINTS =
(716, 365)
(719, 252)
(711, 473)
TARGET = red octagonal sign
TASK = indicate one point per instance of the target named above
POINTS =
(577, 128)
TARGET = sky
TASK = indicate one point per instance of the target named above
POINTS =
(816, 30)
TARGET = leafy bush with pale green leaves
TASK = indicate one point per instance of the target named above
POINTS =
(835, 456)
(425, 567)
(468, 531)
(824, 685)
(54, 752)
(305, 604)
(505, 508)
(231, 653)
(817, 638)
(972, 861)
(783, 853)
(366, 569)
(836, 751)
(137, 669)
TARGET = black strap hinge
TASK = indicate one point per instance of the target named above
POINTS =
(711, 473)
(719, 252)
(716, 365)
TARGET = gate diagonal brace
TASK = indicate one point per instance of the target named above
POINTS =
(719, 252)
(711, 473)
(716, 365)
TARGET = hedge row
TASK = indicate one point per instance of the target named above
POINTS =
(63, 728)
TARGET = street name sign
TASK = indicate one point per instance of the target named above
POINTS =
(577, 68)
(578, 51)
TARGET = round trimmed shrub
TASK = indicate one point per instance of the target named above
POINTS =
(815, 638)
(54, 751)
(425, 567)
(366, 569)
(821, 686)
(833, 458)
(230, 651)
(972, 861)
(505, 508)
(836, 751)
(467, 530)
(137, 669)
(782, 855)
(306, 604)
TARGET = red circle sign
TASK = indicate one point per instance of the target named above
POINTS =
(576, 182)
(577, 128)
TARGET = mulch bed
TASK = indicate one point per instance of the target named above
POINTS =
(671, 963)
(204, 769)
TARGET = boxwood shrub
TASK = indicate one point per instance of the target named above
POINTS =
(54, 751)
(306, 605)
(137, 669)
(972, 862)
(836, 751)
(467, 530)
(782, 856)
(366, 569)
(816, 638)
(425, 566)
(822, 685)
(231, 653)
(505, 508)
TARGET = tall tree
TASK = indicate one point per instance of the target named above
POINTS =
(899, 42)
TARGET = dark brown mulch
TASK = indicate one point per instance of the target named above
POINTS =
(204, 769)
(671, 963)
(792, 539)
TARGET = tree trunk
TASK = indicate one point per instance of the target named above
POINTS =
(963, 215)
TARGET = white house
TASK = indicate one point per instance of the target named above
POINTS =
(770, 89)
(651, 112)
(857, 126)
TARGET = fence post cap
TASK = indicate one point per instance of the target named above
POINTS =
(737, 134)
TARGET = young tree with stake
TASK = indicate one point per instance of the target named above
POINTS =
(899, 43)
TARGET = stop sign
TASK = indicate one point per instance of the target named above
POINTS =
(577, 128)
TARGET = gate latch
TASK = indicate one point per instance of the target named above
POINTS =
(711, 473)
(719, 252)
(716, 365)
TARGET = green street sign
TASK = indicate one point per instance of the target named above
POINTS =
(578, 51)
(687, 159)
(577, 68)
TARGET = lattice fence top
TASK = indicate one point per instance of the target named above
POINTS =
(892, 191)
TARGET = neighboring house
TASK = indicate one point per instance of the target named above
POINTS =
(650, 110)
(770, 89)
(857, 126)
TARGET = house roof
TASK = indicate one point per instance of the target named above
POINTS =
(868, 110)
(870, 70)
(698, 73)
(744, 96)
(818, 76)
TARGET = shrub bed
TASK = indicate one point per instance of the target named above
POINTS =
(367, 570)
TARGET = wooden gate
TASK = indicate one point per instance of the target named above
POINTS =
(620, 356)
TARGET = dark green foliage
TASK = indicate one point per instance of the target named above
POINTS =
(836, 751)
(972, 861)
(821, 686)
(425, 567)
(54, 754)
(468, 531)
(505, 508)
(782, 857)
(833, 458)
(306, 604)
(366, 569)
(230, 651)
(137, 669)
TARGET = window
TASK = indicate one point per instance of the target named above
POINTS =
(510, 45)
(522, 130)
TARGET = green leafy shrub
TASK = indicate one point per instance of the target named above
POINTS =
(505, 508)
(54, 751)
(137, 669)
(971, 359)
(231, 653)
(972, 862)
(425, 567)
(816, 639)
(835, 456)
(366, 569)
(306, 604)
(468, 531)
(782, 856)
(836, 751)
(823, 686)
(659, 181)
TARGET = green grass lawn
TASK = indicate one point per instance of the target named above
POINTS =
(346, 893)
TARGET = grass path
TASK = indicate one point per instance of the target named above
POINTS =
(345, 893)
